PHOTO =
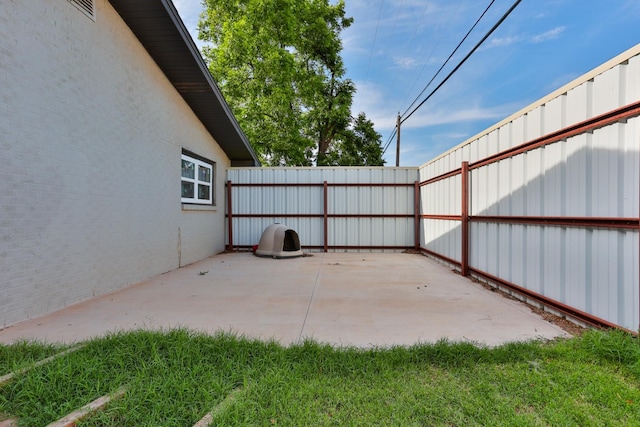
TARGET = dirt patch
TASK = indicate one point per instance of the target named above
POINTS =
(566, 325)
(561, 322)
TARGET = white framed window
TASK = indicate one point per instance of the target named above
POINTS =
(197, 180)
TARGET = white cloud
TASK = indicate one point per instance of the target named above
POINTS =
(504, 41)
(538, 38)
(452, 115)
(382, 110)
(561, 80)
(352, 44)
(189, 10)
(370, 99)
(461, 136)
(405, 62)
(548, 35)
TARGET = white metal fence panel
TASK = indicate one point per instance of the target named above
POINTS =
(247, 233)
(366, 207)
(313, 175)
(371, 233)
(590, 176)
(558, 219)
(442, 237)
(435, 199)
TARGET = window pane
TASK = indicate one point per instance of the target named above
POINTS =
(204, 174)
(187, 189)
(188, 169)
(203, 192)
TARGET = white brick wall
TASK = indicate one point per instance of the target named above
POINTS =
(91, 134)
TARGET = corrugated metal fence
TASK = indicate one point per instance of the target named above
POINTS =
(545, 203)
(329, 208)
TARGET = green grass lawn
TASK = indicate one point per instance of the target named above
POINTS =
(176, 377)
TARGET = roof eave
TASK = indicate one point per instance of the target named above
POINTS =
(158, 26)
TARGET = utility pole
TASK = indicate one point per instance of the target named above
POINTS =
(398, 141)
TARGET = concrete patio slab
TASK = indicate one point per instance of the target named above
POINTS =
(360, 299)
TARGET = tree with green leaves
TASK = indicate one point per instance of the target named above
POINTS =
(279, 67)
(358, 145)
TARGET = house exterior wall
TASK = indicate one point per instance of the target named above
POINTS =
(594, 174)
(91, 134)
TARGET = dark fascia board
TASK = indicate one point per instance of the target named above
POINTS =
(157, 24)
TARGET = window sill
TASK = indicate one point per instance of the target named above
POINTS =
(196, 207)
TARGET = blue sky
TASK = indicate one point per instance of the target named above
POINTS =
(394, 47)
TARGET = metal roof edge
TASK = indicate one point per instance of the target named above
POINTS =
(617, 60)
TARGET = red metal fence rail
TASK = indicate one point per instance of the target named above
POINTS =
(465, 217)
(614, 116)
(325, 214)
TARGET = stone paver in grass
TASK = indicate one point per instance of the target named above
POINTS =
(11, 375)
(71, 419)
(208, 418)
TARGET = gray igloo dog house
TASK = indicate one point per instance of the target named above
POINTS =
(279, 241)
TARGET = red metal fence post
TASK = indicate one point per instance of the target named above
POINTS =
(464, 265)
(416, 221)
(326, 216)
(229, 217)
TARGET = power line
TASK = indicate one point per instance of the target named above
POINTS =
(395, 129)
(486, 36)
(416, 28)
(415, 31)
(395, 21)
(375, 34)
(393, 30)
(441, 33)
(450, 56)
